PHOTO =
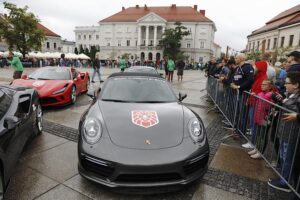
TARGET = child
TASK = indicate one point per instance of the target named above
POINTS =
(261, 111)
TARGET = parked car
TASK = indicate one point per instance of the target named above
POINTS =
(20, 119)
(137, 133)
(56, 85)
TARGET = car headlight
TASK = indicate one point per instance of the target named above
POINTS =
(60, 91)
(196, 130)
(92, 131)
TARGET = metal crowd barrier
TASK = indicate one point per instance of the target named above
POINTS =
(275, 139)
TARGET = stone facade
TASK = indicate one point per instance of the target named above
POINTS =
(140, 38)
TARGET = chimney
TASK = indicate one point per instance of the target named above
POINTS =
(195, 7)
(145, 7)
(173, 6)
(202, 12)
(123, 8)
(137, 6)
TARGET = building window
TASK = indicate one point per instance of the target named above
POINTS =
(253, 46)
(119, 30)
(128, 43)
(275, 43)
(108, 44)
(151, 43)
(268, 44)
(97, 37)
(54, 45)
(188, 45)
(136, 43)
(249, 47)
(291, 40)
(128, 29)
(202, 44)
(84, 37)
(48, 45)
(119, 43)
(79, 37)
(258, 43)
(90, 37)
(282, 42)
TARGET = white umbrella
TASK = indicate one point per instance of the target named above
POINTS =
(83, 56)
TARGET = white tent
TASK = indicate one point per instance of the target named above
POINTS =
(83, 56)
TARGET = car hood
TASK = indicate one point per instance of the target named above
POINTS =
(43, 87)
(143, 125)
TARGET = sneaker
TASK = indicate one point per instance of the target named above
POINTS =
(247, 145)
(93, 81)
(101, 81)
(252, 152)
(277, 184)
(257, 155)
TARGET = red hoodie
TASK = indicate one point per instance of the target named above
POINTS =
(260, 76)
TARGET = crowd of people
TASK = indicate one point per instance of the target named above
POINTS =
(264, 86)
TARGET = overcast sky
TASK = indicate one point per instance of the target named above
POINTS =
(234, 19)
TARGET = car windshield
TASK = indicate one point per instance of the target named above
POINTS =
(55, 73)
(5, 101)
(140, 90)
(142, 70)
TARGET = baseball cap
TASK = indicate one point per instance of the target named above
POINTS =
(294, 53)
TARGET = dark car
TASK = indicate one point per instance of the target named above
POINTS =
(20, 119)
(143, 69)
(137, 134)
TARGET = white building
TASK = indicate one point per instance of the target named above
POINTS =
(281, 31)
(138, 30)
(67, 46)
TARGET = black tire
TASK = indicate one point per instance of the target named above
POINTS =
(73, 96)
(38, 120)
(2, 188)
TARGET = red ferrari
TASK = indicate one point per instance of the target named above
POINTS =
(56, 85)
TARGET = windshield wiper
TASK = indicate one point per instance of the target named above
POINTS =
(43, 79)
(153, 101)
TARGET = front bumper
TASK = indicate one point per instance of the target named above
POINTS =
(115, 174)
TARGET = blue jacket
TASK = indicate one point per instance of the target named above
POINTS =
(244, 77)
(294, 68)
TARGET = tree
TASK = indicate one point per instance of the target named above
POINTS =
(254, 55)
(76, 51)
(20, 29)
(171, 40)
(81, 50)
(93, 51)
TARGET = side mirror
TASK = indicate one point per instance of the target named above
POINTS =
(24, 76)
(11, 122)
(182, 96)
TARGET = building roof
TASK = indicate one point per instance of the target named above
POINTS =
(285, 18)
(171, 14)
(47, 31)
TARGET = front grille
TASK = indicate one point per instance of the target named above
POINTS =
(48, 100)
(147, 178)
(100, 167)
(195, 164)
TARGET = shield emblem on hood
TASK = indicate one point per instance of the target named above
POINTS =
(144, 119)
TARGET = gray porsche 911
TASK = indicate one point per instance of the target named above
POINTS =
(137, 134)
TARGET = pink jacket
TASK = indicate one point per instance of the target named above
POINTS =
(261, 107)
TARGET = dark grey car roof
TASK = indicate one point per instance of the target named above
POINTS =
(135, 74)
